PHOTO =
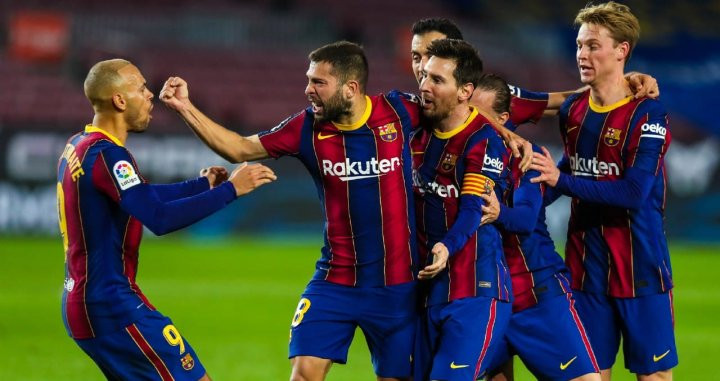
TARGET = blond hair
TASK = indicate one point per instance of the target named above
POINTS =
(617, 18)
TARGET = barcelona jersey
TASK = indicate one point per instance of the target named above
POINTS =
(450, 171)
(621, 252)
(362, 173)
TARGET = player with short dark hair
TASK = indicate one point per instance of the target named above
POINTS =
(456, 158)
(355, 147)
(544, 330)
(103, 203)
(613, 168)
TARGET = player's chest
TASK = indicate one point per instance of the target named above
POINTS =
(594, 132)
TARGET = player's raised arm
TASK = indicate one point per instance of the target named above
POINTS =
(228, 144)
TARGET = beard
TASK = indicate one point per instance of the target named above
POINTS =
(438, 112)
(335, 107)
(136, 122)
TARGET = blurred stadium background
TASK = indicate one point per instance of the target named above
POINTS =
(231, 282)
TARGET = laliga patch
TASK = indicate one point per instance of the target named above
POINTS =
(125, 175)
(187, 362)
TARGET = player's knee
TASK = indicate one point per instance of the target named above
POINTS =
(306, 368)
(663, 375)
(205, 378)
(588, 377)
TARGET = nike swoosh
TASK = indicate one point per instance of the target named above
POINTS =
(658, 358)
(321, 136)
(453, 366)
(567, 364)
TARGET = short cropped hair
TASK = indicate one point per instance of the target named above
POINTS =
(347, 59)
(468, 67)
(437, 24)
(617, 18)
(498, 85)
(102, 80)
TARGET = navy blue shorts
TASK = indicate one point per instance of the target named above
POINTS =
(149, 349)
(646, 324)
(461, 338)
(550, 340)
(328, 314)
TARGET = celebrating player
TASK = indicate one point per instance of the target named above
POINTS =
(544, 329)
(355, 148)
(103, 202)
(613, 167)
(456, 161)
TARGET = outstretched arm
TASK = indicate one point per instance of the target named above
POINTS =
(228, 144)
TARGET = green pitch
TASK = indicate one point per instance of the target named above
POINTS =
(233, 301)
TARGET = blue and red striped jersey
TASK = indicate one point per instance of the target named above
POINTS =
(450, 171)
(363, 176)
(536, 269)
(526, 106)
(101, 240)
(610, 249)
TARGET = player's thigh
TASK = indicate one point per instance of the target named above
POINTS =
(150, 349)
(324, 322)
(470, 331)
(601, 321)
(648, 333)
(551, 340)
(389, 322)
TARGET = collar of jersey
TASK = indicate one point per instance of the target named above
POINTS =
(602, 109)
(456, 130)
(89, 129)
(361, 121)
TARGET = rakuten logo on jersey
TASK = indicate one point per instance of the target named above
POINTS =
(433, 187)
(493, 164)
(654, 130)
(592, 167)
(354, 170)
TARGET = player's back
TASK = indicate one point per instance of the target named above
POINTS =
(101, 240)
(536, 269)
(613, 249)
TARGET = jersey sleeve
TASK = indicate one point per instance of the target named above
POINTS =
(284, 139)
(485, 168)
(410, 104)
(116, 175)
(527, 106)
(526, 203)
(168, 192)
(649, 137)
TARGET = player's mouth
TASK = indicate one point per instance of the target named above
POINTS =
(426, 103)
(585, 69)
(317, 106)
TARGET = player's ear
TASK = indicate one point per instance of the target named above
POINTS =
(350, 89)
(622, 50)
(503, 117)
(465, 92)
(119, 102)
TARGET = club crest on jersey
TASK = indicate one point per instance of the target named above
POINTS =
(125, 174)
(187, 362)
(612, 136)
(388, 132)
(448, 162)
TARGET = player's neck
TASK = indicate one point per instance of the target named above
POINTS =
(113, 124)
(357, 111)
(610, 90)
(457, 118)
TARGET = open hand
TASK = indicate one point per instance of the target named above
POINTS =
(246, 177)
(440, 257)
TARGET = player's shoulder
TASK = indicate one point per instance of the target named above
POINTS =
(403, 96)
(647, 105)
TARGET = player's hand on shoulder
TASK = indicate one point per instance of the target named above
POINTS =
(440, 257)
(643, 85)
(215, 175)
(246, 177)
(175, 94)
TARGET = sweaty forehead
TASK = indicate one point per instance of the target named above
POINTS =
(440, 66)
(420, 42)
